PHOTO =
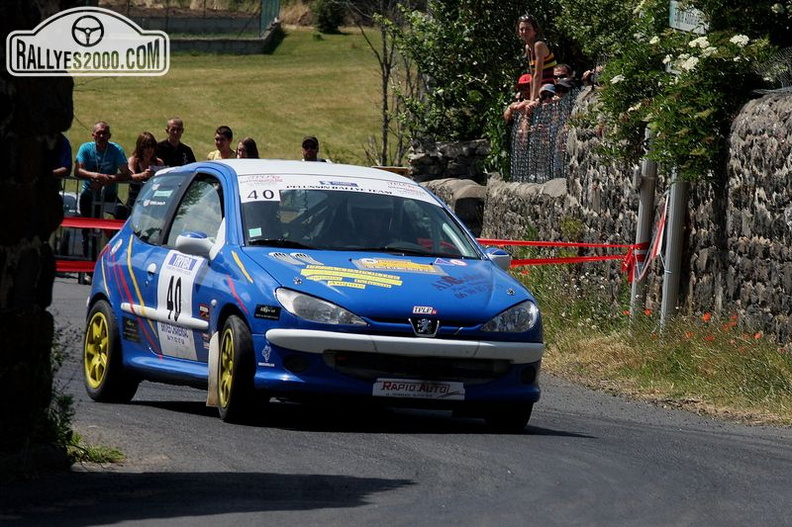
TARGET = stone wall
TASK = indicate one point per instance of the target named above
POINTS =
(429, 160)
(33, 112)
(738, 255)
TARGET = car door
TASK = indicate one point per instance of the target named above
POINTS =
(182, 314)
(134, 258)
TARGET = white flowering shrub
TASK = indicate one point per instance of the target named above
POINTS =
(687, 87)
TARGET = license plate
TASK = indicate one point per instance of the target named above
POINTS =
(454, 391)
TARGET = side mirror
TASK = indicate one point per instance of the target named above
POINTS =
(194, 243)
(499, 257)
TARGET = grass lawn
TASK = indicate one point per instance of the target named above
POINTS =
(325, 86)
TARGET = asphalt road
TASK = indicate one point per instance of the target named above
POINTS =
(585, 459)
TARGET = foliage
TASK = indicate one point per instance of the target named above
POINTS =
(81, 452)
(467, 52)
(599, 26)
(61, 410)
(397, 75)
(468, 55)
(686, 87)
(701, 363)
(328, 15)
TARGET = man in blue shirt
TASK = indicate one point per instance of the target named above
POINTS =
(62, 155)
(101, 163)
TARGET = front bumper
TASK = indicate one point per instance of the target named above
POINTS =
(316, 341)
(295, 363)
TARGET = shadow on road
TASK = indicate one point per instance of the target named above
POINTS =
(92, 498)
(359, 419)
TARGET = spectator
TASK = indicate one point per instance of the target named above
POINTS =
(591, 77)
(247, 149)
(101, 163)
(547, 93)
(143, 163)
(563, 87)
(541, 61)
(62, 156)
(563, 72)
(223, 138)
(310, 149)
(522, 99)
(172, 151)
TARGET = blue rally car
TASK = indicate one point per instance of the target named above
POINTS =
(259, 279)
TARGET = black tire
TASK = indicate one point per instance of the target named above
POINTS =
(509, 418)
(105, 378)
(236, 394)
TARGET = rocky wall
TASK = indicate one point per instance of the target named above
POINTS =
(738, 256)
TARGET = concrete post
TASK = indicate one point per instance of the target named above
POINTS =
(646, 184)
(675, 233)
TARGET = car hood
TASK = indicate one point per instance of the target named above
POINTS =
(386, 286)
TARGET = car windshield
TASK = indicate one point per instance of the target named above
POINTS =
(330, 218)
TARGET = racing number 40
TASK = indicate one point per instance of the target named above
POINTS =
(266, 194)
(174, 298)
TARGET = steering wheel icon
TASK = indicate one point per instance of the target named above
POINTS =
(87, 31)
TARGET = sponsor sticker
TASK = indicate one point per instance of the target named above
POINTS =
(396, 265)
(87, 42)
(424, 310)
(266, 352)
(343, 277)
(339, 183)
(450, 261)
(131, 331)
(415, 389)
(177, 341)
(268, 312)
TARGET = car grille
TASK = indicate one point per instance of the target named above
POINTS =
(370, 366)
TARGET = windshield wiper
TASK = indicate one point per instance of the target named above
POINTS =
(279, 242)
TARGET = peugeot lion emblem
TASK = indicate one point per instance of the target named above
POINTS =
(425, 327)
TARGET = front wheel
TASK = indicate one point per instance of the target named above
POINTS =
(105, 377)
(236, 393)
(509, 418)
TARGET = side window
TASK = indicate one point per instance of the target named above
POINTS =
(201, 210)
(152, 206)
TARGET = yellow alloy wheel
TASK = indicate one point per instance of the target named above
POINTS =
(227, 355)
(106, 379)
(97, 345)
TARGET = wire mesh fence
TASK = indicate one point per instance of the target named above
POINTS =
(538, 141)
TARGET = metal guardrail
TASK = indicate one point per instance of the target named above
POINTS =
(68, 240)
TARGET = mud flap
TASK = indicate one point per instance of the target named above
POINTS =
(214, 360)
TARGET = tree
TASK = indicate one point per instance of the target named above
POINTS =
(468, 57)
(397, 75)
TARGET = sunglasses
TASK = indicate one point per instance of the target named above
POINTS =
(310, 146)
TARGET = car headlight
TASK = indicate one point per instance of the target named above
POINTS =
(516, 319)
(315, 309)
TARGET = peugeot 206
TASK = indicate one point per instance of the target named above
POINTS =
(258, 280)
